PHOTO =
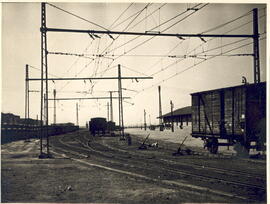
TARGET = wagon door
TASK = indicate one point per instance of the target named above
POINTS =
(195, 114)
(206, 113)
(228, 123)
(239, 113)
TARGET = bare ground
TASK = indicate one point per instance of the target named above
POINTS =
(63, 179)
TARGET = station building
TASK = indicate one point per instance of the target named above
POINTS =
(181, 117)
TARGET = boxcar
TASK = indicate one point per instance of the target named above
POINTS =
(97, 125)
(236, 114)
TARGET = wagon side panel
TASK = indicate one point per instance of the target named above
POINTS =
(256, 111)
(216, 112)
(195, 114)
(239, 111)
(201, 113)
(208, 113)
(228, 112)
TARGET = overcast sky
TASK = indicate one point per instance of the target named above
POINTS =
(160, 57)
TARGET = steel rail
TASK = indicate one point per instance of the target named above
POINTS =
(186, 173)
(217, 192)
(218, 170)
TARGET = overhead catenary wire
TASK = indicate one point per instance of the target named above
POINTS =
(192, 66)
(91, 41)
(40, 69)
(139, 45)
(136, 16)
(233, 29)
(112, 42)
(150, 14)
(174, 17)
(224, 24)
(162, 31)
(77, 16)
(134, 70)
(168, 66)
(208, 55)
(151, 30)
(208, 50)
(120, 15)
(119, 35)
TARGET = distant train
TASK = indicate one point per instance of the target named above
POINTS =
(236, 114)
(101, 126)
(14, 132)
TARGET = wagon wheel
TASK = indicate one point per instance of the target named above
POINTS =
(214, 146)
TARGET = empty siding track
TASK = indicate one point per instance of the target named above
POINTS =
(233, 184)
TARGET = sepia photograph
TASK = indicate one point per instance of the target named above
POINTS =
(134, 102)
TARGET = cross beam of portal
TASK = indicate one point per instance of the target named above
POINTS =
(146, 33)
(90, 98)
(88, 78)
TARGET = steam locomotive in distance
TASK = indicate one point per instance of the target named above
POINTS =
(101, 126)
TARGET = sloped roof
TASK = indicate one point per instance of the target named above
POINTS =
(179, 112)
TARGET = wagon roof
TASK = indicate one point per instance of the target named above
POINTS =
(230, 87)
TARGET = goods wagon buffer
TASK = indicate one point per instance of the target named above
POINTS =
(236, 114)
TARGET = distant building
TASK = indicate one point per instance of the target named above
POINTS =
(181, 116)
(30, 122)
(9, 118)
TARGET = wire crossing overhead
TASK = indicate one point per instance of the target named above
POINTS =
(147, 33)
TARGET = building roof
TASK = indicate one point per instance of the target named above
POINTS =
(179, 112)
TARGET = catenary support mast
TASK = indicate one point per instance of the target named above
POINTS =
(256, 47)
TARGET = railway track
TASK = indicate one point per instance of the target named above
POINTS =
(186, 162)
(195, 166)
(137, 163)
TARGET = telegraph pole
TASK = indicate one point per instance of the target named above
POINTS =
(108, 111)
(172, 115)
(26, 90)
(54, 106)
(47, 126)
(111, 104)
(121, 118)
(160, 110)
(77, 115)
(144, 115)
(26, 99)
(28, 95)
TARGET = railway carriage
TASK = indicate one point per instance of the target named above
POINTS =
(236, 114)
(100, 125)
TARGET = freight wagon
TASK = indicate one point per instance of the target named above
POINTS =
(100, 125)
(236, 114)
